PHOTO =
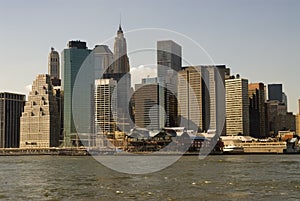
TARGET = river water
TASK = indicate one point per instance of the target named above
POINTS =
(223, 177)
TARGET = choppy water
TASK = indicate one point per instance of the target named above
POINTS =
(236, 177)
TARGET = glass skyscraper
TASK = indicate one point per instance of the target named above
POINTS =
(169, 62)
(72, 59)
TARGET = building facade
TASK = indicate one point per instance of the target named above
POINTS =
(279, 119)
(214, 95)
(168, 57)
(53, 64)
(121, 61)
(103, 60)
(11, 108)
(169, 62)
(105, 106)
(237, 106)
(275, 92)
(54, 67)
(191, 102)
(72, 59)
(40, 121)
(276, 112)
(149, 114)
(256, 92)
(201, 97)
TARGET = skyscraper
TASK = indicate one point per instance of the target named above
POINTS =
(169, 62)
(11, 108)
(200, 91)
(237, 106)
(54, 73)
(168, 57)
(53, 64)
(105, 106)
(40, 121)
(119, 70)
(103, 57)
(72, 59)
(54, 67)
(276, 112)
(275, 92)
(149, 113)
(191, 98)
(121, 61)
(214, 98)
(256, 92)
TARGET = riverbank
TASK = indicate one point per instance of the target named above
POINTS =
(85, 152)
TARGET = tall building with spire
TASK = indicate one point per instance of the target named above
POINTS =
(119, 70)
(121, 61)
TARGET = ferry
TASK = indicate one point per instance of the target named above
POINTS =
(232, 149)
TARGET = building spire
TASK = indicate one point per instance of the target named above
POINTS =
(120, 28)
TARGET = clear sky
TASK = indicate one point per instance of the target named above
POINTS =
(260, 40)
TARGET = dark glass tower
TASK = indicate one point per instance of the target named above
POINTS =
(11, 108)
(256, 92)
(275, 92)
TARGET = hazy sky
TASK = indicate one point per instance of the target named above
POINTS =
(258, 39)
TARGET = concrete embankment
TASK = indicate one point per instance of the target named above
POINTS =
(43, 151)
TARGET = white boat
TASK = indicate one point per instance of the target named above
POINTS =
(232, 149)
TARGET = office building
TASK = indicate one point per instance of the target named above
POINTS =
(53, 64)
(276, 113)
(103, 60)
(72, 59)
(190, 98)
(40, 121)
(201, 97)
(169, 62)
(168, 57)
(237, 106)
(54, 67)
(279, 119)
(275, 92)
(105, 106)
(214, 94)
(11, 108)
(149, 113)
(256, 92)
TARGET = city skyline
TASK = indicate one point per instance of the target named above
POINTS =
(258, 40)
